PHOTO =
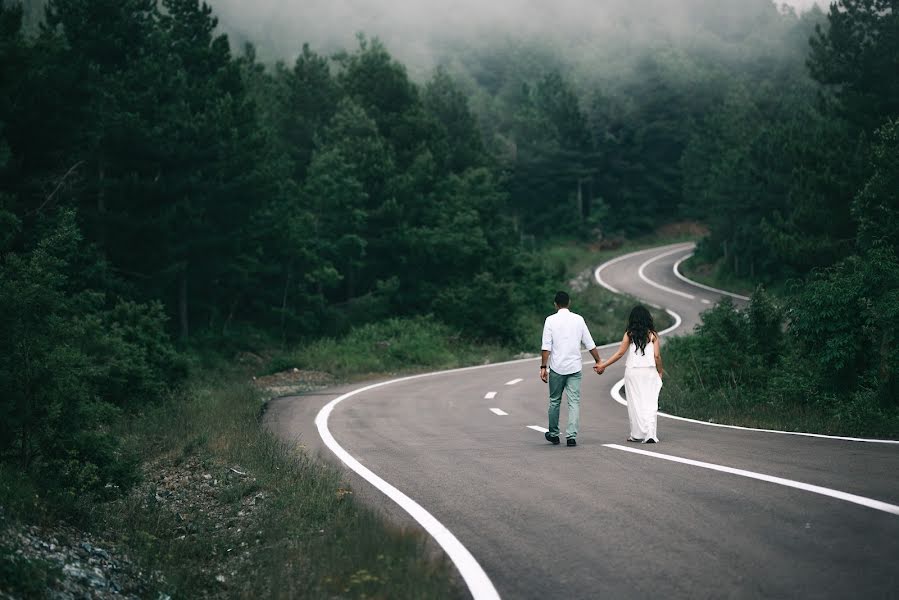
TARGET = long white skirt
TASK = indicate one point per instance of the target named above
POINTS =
(642, 386)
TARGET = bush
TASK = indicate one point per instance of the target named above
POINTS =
(68, 365)
(842, 320)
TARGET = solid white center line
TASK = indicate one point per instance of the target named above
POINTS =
(680, 276)
(490, 395)
(538, 428)
(643, 276)
(815, 489)
(514, 381)
(498, 411)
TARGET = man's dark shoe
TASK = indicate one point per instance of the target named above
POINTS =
(551, 438)
(571, 442)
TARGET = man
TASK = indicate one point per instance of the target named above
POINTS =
(560, 365)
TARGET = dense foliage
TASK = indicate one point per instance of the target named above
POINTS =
(805, 196)
(157, 186)
(154, 185)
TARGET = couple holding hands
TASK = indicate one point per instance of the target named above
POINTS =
(560, 367)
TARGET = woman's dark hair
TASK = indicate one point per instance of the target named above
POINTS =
(639, 326)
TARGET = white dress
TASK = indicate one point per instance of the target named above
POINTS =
(642, 384)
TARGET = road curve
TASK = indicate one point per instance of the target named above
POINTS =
(707, 513)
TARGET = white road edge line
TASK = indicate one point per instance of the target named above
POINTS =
(597, 274)
(499, 411)
(472, 573)
(616, 395)
(815, 489)
(683, 278)
(616, 389)
(643, 276)
(514, 381)
(538, 428)
(490, 395)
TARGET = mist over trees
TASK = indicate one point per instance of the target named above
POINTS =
(164, 186)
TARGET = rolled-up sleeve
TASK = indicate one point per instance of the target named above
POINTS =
(547, 343)
(586, 338)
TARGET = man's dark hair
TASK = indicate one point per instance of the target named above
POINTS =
(562, 299)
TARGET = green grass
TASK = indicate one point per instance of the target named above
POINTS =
(767, 401)
(576, 257)
(391, 346)
(735, 405)
(310, 539)
(712, 274)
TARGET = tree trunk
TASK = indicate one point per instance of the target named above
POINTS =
(580, 200)
(284, 303)
(101, 186)
(182, 303)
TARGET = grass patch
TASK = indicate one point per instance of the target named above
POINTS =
(777, 399)
(714, 275)
(735, 405)
(399, 344)
(24, 577)
(308, 537)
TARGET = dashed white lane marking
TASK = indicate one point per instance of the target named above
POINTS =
(643, 276)
(490, 395)
(815, 489)
(538, 428)
(704, 301)
(514, 381)
(680, 276)
(479, 584)
(499, 411)
(619, 398)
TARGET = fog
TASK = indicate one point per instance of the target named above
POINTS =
(421, 32)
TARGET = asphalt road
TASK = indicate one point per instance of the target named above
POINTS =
(757, 515)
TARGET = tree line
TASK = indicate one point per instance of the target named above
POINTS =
(801, 192)
(155, 186)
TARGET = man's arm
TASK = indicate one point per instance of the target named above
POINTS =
(546, 347)
(587, 341)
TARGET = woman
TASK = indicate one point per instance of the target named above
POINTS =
(642, 374)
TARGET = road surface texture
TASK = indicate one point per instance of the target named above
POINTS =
(709, 512)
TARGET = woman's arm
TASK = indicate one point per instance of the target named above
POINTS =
(657, 354)
(622, 348)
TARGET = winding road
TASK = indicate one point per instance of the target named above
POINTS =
(710, 512)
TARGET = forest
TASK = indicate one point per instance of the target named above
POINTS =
(171, 188)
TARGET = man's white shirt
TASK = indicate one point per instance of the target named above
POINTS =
(563, 334)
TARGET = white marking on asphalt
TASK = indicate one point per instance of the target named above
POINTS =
(704, 301)
(619, 398)
(597, 274)
(538, 428)
(815, 489)
(643, 276)
(479, 584)
(680, 276)
(677, 322)
(514, 381)
(490, 395)
(499, 411)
